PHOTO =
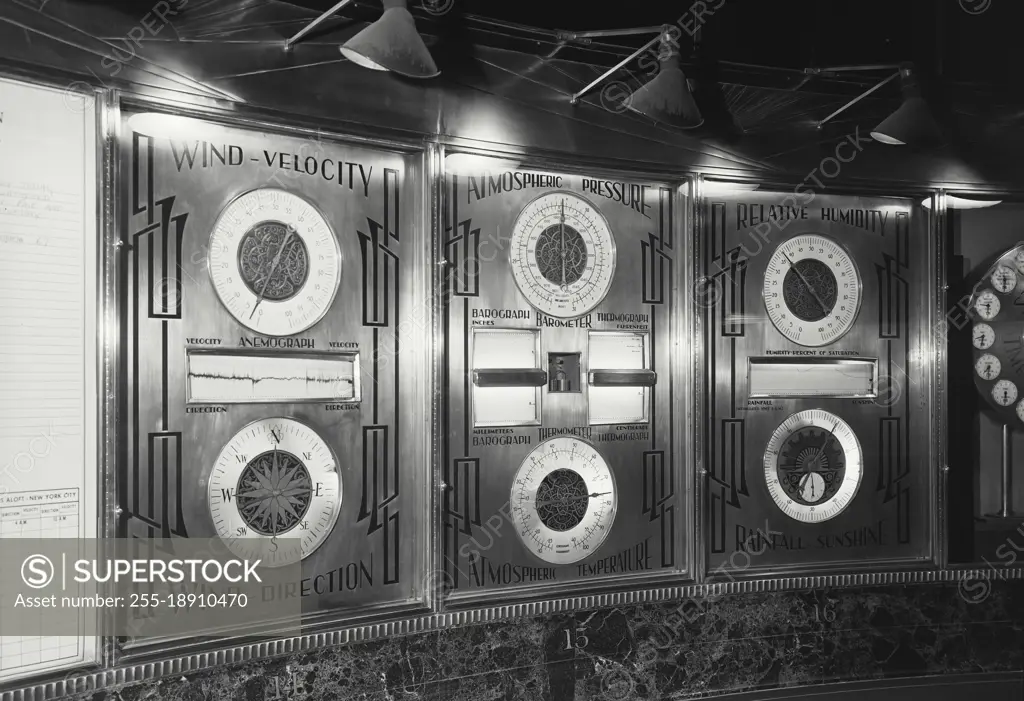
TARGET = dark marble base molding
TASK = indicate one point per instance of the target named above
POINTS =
(675, 650)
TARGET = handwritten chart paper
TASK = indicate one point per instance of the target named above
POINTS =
(48, 339)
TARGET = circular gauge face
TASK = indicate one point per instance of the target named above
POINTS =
(1020, 411)
(813, 466)
(562, 255)
(563, 500)
(275, 492)
(274, 262)
(1004, 279)
(987, 305)
(983, 336)
(812, 290)
(1004, 393)
(1018, 260)
(988, 367)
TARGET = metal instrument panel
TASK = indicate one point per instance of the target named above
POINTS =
(361, 413)
(880, 437)
(513, 514)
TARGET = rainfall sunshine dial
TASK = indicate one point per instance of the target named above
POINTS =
(812, 290)
(562, 254)
(813, 466)
(274, 262)
(983, 336)
(563, 500)
(274, 491)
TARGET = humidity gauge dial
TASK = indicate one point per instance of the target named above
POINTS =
(274, 492)
(812, 290)
(563, 500)
(813, 466)
(562, 255)
(274, 262)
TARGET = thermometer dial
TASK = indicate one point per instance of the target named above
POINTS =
(987, 305)
(812, 290)
(983, 336)
(988, 367)
(563, 500)
(274, 492)
(1004, 279)
(562, 255)
(813, 466)
(274, 262)
(1004, 393)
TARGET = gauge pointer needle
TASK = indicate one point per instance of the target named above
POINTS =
(273, 268)
(823, 444)
(579, 498)
(561, 231)
(810, 288)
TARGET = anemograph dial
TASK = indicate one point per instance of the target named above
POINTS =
(987, 305)
(275, 491)
(563, 500)
(813, 466)
(274, 262)
(812, 290)
(988, 367)
(1004, 393)
(562, 254)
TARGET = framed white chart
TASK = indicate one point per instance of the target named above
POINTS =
(49, 428)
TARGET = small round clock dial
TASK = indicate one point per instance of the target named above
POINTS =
(274, 492)
(562, 255)
(274, 262)
(813, 466)
(563, 500)
(812, 290)
(983, 336)
(988, 367)
(1004, 279)
(987, 305)
(1004, 393)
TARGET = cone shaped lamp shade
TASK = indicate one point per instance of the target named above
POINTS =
(912, 124)
(392, 44)
(666, 98)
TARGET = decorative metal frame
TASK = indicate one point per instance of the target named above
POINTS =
(150, 662)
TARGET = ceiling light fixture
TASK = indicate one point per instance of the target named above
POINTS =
(666, 98)
(910, 125)
(392, 43)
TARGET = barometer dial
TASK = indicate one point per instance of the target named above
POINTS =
(563, 500)
(987, 305)
(813, 466)
(562, 255)
(275, 492)
(1004, 279)
(812, 290)
(274, 262)
(988, 367)
(983, 336)
(1004, 393)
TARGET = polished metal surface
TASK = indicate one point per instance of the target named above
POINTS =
(178, 175)
(482, 551)
(889, 520)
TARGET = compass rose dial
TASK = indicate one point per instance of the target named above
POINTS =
(563, 500)
(274, 262)
(562, 255)
(812, 290)
(813, 466)
(274, 491)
